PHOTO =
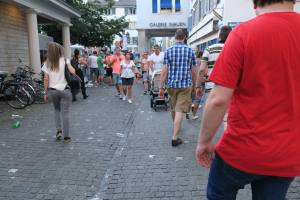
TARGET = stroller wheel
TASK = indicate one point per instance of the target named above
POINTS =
(151, 103)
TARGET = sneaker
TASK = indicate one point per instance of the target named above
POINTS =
(130, 101)
(124, 98)
(195, 117)
(121, 96)
(145, 92)
(67, 139)
(117, 95)
(187, 116)
(58, 135)
(176, 142)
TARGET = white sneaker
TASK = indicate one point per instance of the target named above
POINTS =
(124, 98)
(195, 117)
(130, 101)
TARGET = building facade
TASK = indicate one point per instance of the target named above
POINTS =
(19, 36)
(160, 18)
(127, 9)
(207, 16)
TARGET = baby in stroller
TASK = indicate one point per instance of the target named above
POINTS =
(155, 99)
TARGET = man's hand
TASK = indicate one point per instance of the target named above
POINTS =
(46, 98)
(205, 154)
(161, 92)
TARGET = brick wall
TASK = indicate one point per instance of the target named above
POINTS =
(13, 37)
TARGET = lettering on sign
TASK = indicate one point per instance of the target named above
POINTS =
(168, 25)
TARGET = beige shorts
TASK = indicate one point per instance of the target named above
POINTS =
(180, 99)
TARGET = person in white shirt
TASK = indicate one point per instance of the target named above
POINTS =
(92, 63)
(156, 61)
(127, 75)
(56, 84)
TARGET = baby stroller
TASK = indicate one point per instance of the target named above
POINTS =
(155, 100)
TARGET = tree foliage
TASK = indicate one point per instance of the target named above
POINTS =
(92, 29)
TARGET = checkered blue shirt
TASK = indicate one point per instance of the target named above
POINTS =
(180, 59)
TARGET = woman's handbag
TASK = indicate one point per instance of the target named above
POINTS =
(74, 81)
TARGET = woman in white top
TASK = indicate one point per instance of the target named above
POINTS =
(56, 85)
(127, 75)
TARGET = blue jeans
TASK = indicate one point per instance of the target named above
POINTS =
(225, 181)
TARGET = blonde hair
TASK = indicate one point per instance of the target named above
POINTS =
(55, 52)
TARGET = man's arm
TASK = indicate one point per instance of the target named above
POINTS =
(163, 78)
(194, 75)
(150, 64)
(215, 109)
(201, 73)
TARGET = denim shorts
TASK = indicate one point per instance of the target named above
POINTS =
(95, 71)
(225, 181)
(117, 78)
(127, 81)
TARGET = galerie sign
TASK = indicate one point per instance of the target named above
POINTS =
(167, 25)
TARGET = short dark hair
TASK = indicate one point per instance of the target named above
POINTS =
(180, 34)
(262, 3)
(95, 52)
(76, 52)
(225, 30)
(199, 54)
(156, 46)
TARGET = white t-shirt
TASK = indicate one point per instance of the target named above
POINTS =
(57, 79)
(92, 61)
(158, 61)
(127, 69)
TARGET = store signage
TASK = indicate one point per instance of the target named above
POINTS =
(167, 25)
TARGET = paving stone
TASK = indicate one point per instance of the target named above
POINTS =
(128, 156)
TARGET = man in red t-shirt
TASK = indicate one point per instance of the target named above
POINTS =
(257, 77)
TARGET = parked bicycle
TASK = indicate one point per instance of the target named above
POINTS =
(14, 94)
(34, 86)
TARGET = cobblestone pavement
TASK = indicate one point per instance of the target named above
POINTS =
(118, 151)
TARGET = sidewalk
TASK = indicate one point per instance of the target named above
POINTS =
(118, 151)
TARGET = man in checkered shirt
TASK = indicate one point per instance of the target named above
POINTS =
(180, 72)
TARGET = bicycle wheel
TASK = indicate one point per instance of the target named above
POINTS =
(16, 96)
(31, 91)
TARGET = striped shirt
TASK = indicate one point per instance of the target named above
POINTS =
(210, 56)
(180, 59)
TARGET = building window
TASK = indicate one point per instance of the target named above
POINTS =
(135, 40)
(130, 11)
(154, 6)
(111, 11)
(200, 9)
(165, 6)
(132, 25)
(177, 6)
(211, 4)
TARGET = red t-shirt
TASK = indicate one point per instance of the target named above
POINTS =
(261, 61)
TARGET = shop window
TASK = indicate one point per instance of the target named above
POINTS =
(154, 6)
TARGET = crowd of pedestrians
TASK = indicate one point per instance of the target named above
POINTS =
(252, 74)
